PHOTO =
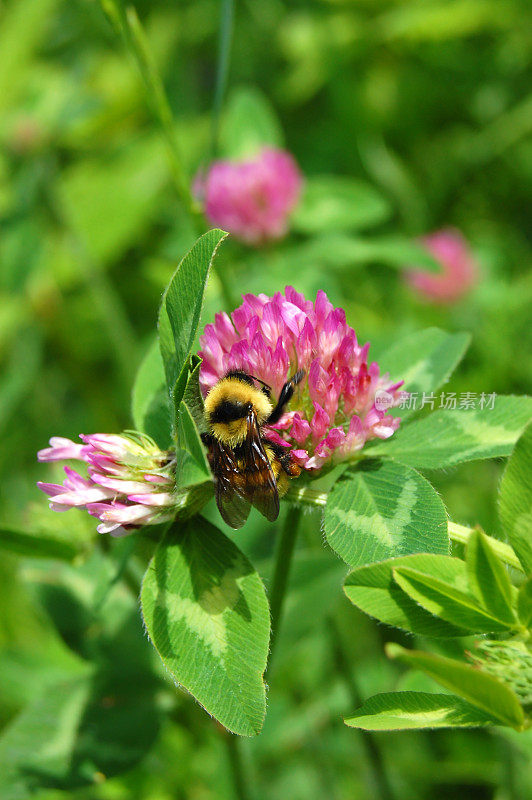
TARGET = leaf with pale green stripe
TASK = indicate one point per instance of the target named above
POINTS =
(424, 361)
(375, 592)
(445, 601)
(489, 579)
(477, 687)
(206, 613)
(382, 509)
(180, 312)
(403, 711)
(515, 499)
(446, 438)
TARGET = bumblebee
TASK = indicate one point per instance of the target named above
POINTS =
(248, 468)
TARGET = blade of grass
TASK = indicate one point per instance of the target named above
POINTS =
(227, 16)
(125, 20)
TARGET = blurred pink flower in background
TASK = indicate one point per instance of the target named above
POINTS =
(341, 403)
(459, 268)
(251, 199)
(130, 481)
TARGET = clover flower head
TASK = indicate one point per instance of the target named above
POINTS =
(130, 482)
(342, 402)
(509, 662)
(251, 199)
(459, 268)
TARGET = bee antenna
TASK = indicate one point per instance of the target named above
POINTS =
(266, 385)
(284, 398)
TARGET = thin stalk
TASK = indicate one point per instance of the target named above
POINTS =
(222, 69)
(128, 25)
(371, 747)
(234, 754)
(227, 16)
(460, 534)
(307, 496)
(283, 560)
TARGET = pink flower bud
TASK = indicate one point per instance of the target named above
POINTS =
(251, 199)
(459, 268)
(130, 481)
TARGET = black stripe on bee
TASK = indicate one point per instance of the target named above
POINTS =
(229, 411)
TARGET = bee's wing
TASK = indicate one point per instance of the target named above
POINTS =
(260, 486)
(231, 501)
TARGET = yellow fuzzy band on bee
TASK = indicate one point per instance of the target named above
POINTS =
(230, 433)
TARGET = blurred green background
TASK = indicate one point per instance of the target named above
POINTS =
(428, 104)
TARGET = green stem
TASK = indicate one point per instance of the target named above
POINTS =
(128, 25)
(306, 496)
(234, 754)
(283, 560)
(369, 742)
(460, 534)
(222, 70)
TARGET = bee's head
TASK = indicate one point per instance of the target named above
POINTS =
(227, 407)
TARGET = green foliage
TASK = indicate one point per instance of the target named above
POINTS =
(97, 136)
(375, 591)
(489, 579)
(474, 597)
(105, 200)
(445, 601)
(478, 688)
(94, 713)
(330, 203)
(59, 712)
(249, 124)
(515, 499)
(204, 606)
(524, 602)
(180, 312)
(424, 361)
(400, 711)
(446, 438)
(37, 544)
(380, 509)
(149, 399)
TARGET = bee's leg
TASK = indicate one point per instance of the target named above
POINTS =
(286, 394)
(289, 469)
(292, 469)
